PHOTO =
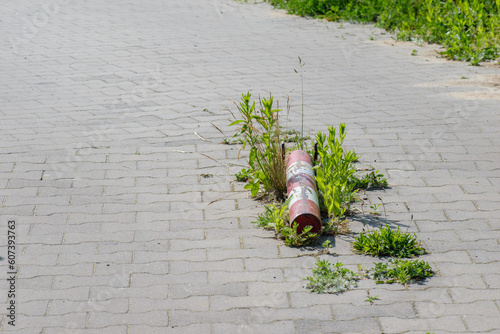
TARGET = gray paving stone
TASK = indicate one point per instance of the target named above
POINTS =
(157, 318)
(482, 323)
(277, 327)
(346, 312)
(154, 268)
(450, 269)
(31, 270)
(193, 303)
(73, 320)
(61, 307)
(365, 325)
(144, 280)
(105, 293)
(106, 330)
(182, 267)
(465, 295)
(492, 280)
(481, 308)
(397, 325)
(120, 280)
(39, 282)
(192, 329)
(186, 290)
(185, 318)
(116, 258)
(72, 294)
(162, 255)
(221, 303)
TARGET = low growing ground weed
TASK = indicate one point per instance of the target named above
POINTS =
(388, 242)
(276, 217)
(401, 271)
(331, 278)
(372, 180)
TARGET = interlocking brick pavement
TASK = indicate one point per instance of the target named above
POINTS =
(102, 107)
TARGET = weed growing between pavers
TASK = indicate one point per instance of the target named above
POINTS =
(260, 130)
(370, 181)
(334, 172)
(334, 278)
(400, 271)
(468, 29)
(388, 242)
(382, 242)
(275, 217)
(331, 278)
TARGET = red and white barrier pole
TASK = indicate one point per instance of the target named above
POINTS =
(301, 186)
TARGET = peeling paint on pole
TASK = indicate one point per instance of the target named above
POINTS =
(301, 186)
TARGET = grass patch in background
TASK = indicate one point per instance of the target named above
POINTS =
(469, 30)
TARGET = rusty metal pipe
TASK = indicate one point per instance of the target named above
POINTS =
(301, 187)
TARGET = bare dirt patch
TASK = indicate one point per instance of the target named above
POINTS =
(479, 86)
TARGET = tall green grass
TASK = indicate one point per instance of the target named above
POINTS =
(468, 29)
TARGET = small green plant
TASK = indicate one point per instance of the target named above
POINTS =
(275, 217)
(228, 141)
(401, 271)
(331, 278)
(295, 239)
(374, 208)
(371, 299)
(207, 176)
(414, 52)
(286, 135)
(292, 136)
(388, 242)
(333, 172)
(327, 244)
(242, 175)
(372, 180)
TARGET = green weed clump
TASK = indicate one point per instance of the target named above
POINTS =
(334, 278)
(372, 180)
(388, 242)
(333, 174)
(275, 217)
(401, 271)
(331, 278)
(260, 130)
(468, 29)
